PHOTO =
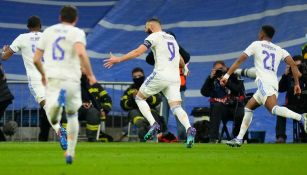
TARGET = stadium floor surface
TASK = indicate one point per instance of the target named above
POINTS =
(153, 158)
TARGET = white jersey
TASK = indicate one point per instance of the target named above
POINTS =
(60, 58)
(267, 57)
(166, 54)
(26, 44)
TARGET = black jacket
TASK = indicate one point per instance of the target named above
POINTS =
(5, 93)
(286, 84)
(95, 94)
(212, 88)
(127, 101)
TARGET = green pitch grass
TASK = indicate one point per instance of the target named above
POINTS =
(153, 158)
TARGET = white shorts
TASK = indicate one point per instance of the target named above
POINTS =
(37, 89)
(72, 96)
(152, 85)
(264, 91)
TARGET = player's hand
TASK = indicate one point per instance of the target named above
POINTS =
(103, 115)
(5, 48)
(297, 89)
(86, 105)
(223, 81)
(111, 61)
(135, 92)
(212, 73)
(44, 80)
(186, 71)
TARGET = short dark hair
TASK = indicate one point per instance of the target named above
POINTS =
(137, 69)
(154, 19)
(69, 13)
(34, 22)
(298, 58)
(268, 30)
(171, 33)
(219, 62)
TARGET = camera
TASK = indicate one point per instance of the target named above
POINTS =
(249, 72)
(219, 73)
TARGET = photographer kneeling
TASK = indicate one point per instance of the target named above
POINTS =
(226, 103)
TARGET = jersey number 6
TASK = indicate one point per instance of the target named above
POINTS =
(56, 48)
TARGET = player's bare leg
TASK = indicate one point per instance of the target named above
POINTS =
(251, 105)
(140, 100)
(184, 120)
(271, 105)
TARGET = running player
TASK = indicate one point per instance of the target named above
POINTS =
(63, 48)
(267, 57)
(26, 44)
(165, 76)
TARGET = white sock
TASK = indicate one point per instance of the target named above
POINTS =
(56, 126)
(182, 116)
(285, 112)
(248, 116)
(145, 109)
(72, 133)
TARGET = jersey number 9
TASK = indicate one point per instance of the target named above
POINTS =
(171, 48)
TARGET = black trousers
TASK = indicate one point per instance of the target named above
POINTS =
(142, 124)
(219, 112)
(3, 106)
(44, 125)
(92, 118)
(281, 121)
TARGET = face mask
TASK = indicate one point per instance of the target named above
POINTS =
(139, 81)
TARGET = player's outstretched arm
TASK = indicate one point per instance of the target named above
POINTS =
(132, 54)
(6, 52)
(38, 63)
(85, 62)
(233, 67)
(296, 74)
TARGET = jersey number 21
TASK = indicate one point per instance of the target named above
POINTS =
(269, 58)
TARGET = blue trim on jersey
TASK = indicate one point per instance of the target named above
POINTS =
(261, 88)
(284, 59)
(147, 44)
(32, 90)
(150, 78)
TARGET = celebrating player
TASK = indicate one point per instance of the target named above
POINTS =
(267, 57)
(165, 76)
(26, 44)
(63, 48)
